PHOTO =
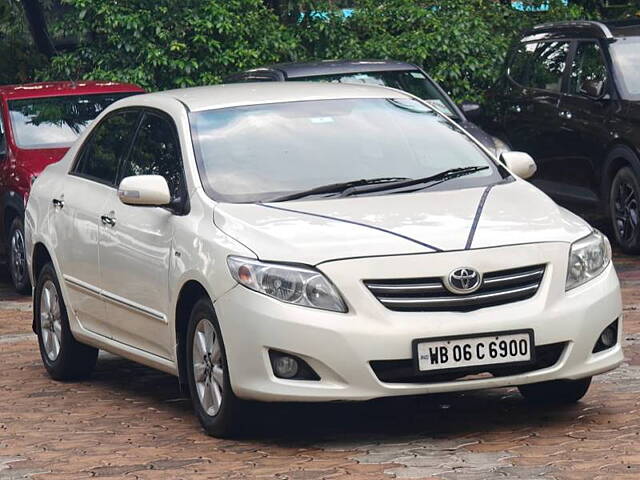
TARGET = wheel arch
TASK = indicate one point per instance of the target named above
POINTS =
(12, 207)
(190, 293)
(620, 155)
(39, 259)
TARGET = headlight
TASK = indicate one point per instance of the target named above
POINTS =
(296, 285)
(499, 147)
(589, 256)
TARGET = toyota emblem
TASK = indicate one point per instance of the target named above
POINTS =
(463, 280)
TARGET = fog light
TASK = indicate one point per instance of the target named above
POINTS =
(290, 367)
(608, 338)
(285, 367)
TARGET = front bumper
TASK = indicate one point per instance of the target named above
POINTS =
(340, 347)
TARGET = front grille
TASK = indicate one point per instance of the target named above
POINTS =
(403, 371)
(430, 295)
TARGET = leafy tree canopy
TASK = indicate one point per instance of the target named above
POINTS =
(162, 44)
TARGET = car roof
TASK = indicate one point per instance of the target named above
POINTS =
(581, 28)
(57, 89)
(243, 94)
(328, 67)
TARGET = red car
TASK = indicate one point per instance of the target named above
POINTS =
(38, 123)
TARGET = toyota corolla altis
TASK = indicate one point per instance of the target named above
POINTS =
(313, 242)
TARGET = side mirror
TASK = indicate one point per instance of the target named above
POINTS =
(592, 88)
(471, 110)
(519, 163)
(144, 190)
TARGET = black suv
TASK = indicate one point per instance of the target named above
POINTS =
(386, 73)
(570, 97)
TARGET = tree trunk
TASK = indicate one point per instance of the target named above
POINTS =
(38, 27)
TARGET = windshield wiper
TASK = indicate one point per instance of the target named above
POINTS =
(437, 178)
(337, 188)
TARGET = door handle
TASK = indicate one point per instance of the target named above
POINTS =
(565, 114)
(108, 220)
(57, 203)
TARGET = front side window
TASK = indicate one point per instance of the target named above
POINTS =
(588, 72)
(412, 81)
(55, 122)
(547, 66)
(625, 52)
(107, 144)
(156, 151)
(260, 152)
(520, 62)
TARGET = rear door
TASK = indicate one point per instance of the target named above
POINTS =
(585, 111)
(78, 203)
(531, 117)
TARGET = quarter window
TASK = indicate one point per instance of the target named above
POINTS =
(107, 144)
(548, 65)
(156, 152)
(588, 72)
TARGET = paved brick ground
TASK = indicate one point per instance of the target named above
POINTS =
(129, 421)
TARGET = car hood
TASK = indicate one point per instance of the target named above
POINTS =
(36, 160)
(313, 232)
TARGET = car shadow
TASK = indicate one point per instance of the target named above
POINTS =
(388, 419)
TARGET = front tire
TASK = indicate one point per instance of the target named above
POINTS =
(64, 358)
(624, 206)
(556, 392)
(18, 257)
(214, 402)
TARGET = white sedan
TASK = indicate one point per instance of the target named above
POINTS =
(313, 242)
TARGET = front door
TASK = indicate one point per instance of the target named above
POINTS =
(585, 109)
(78, 202)
(136, 244)
(532, 119)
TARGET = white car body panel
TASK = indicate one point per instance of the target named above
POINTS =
(147, 259)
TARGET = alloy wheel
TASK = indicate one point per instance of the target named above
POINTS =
(18, 260)
(50, 320)
(208, 371)
(626, 210)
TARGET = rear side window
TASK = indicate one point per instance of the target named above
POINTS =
(107, 144)
(548, 66)
(156, 151)
(588, 72)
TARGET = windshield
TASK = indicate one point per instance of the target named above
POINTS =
(55, 122)
(260, 152)
(626, 58)
(412, 81)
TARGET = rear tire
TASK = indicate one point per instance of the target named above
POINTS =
(18, 258)
(556, 392)
(214, 402)
(64, 358)
(624, 210)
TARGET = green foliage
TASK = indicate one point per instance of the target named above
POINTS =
(162, 44)
(460, 43)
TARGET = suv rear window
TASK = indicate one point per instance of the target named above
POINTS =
(55, 122)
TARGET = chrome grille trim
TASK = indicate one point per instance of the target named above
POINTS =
(511, 278)
(421, 287)
(430, 294)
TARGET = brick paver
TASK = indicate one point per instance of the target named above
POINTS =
(129, 421)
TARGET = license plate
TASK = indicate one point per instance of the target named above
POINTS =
(468, 351)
